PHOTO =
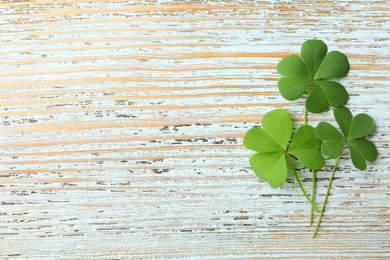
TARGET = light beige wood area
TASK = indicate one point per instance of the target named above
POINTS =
(122, 126)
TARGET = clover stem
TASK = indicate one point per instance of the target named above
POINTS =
(314, 173)
(300, 184)
(305, 117)
(305, 113)
(312, 196)
(326, 196)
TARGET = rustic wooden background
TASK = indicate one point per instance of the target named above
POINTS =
(122, 126)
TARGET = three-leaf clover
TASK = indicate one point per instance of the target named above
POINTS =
(271, 144)
(353, 129)
(311, 72)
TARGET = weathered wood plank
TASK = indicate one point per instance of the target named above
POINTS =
(122, 125)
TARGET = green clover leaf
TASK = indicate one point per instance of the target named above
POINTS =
(305, 146)
(271, 144)
(312, 71)
(353, 128)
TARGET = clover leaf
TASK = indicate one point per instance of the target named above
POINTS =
(353, 129)
(271, 144)
(313, 72)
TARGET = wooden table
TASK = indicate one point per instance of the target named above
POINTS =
(122, 126)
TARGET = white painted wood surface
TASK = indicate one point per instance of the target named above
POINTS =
(122, 125)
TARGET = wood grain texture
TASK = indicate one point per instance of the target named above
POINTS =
(122, 125)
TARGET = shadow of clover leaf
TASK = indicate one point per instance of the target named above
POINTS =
(353, 129)
(271, 144)
(312, 71)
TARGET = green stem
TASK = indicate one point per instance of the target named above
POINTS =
(305, 117)
(312, 196)
(326, 196)
(314, 173)
(300, 184)
(305, 113)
